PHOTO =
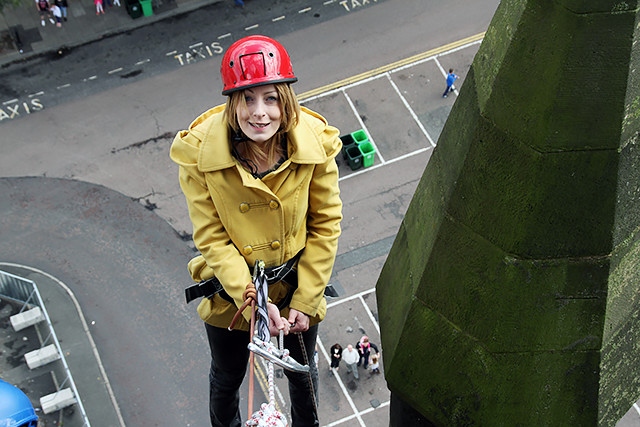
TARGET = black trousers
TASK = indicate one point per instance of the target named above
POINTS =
(229, 359)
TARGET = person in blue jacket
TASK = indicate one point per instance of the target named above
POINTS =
(451, 77)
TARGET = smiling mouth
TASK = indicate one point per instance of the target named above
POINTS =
(259, 125)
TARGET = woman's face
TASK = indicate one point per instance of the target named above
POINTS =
(261, 118)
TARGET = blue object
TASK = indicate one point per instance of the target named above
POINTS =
(451, 78)
(16, 409)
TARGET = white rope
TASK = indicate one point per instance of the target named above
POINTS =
(268, 415)
(272, 395)
(262, 325)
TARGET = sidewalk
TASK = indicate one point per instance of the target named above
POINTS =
(83, 26)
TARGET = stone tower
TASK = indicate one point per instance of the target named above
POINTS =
(511, 296)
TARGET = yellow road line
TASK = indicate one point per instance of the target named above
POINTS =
(263, 382)
(389, 67)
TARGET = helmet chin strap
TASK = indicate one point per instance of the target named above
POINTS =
(239, 136)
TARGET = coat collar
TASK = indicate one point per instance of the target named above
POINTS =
(305, 140)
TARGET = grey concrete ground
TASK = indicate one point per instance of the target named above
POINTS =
(90, 199)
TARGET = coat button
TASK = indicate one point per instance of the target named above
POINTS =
(244, 207)
(275, 244)
(247, 250)
(274, 204)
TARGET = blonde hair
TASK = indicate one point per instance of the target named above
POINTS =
(274, 147)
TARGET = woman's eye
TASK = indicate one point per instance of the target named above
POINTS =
(272, 99)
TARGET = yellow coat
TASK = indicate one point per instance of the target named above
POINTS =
(238, 219)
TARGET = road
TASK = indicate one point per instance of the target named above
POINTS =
(112, 130)
(347, 37)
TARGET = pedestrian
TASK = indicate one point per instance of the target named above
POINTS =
(99, 8)
(364, 349)
(64, 6)
(374, 364)
(45, 12)
(57, 14)
(451, 78)
(261, 183)
(336, 356)
(350, 356)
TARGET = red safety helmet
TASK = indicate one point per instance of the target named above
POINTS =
(254, 61)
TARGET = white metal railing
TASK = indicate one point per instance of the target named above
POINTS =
(26, 292)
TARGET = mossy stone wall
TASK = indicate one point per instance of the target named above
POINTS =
(510, 296)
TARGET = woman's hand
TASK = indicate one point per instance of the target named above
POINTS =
(277, 323)
(299, 321)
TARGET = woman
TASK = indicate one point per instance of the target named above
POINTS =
(364, 348)
(336, 356)
(261, 183)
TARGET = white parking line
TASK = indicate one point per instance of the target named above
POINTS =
(362, 125)
(356, 413)
(414, 116)
(348, 420)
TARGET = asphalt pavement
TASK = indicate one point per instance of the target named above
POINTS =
(91, 210)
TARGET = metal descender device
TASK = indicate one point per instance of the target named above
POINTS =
(261, 342)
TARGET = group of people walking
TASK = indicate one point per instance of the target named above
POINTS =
(365, 354)
(100, 5)
(55, 13)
